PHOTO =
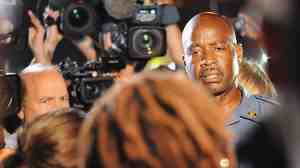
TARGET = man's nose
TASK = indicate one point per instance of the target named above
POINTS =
(58, 103)
(208, 56)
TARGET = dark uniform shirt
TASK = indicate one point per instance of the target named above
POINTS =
(247, 119)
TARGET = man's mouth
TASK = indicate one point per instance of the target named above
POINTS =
(211, 78)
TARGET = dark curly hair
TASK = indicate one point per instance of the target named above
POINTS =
(156, 120)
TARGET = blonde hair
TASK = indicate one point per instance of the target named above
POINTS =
(255, 80)
(51, 140)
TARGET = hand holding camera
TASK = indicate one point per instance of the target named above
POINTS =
(53, 36)
(36, 39)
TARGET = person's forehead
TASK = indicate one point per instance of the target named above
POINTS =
(212, 30)
(49, 84)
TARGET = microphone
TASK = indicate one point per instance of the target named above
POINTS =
(12, 11)
(58, 4)
(119, 9)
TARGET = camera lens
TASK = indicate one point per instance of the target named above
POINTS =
(92, 88)
(147, 41)
(92, 91)
(78, 17)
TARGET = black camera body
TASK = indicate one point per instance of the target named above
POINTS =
(137, 38)
(143, 35)
(78, 17)
(146, 35)
(88, 82)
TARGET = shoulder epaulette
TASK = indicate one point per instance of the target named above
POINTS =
(265, 99)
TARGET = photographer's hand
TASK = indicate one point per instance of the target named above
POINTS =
(166, 2)
(174, 45)
(87, 48)
(53, 36)
(175, 48)
(125, 74)
(36, 39)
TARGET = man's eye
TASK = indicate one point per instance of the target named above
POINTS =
(66, 98)
(44, 101)
(219, 48)
(196, 52)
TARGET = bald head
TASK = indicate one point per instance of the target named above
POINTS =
(215, 53)
(42, 80)
(44, 90)
(213, 25)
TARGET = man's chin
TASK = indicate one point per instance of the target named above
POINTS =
(214, 88)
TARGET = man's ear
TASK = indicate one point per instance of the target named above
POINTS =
(239, 52)
(21, 114)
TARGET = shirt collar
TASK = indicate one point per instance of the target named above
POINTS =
(242, 109)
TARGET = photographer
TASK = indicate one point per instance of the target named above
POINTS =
(47, 50)
(6, 115)
(122, 46)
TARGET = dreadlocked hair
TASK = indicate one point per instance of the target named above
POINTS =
(155, 121)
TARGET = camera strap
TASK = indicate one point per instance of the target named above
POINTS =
(170, 14)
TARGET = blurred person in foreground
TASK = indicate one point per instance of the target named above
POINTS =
(155, 120)
(280, 138)
(49, 141)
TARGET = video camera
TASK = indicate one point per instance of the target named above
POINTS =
(139, 35)
(77, 17)
(90, 80)
(143, 36)
(134, 39)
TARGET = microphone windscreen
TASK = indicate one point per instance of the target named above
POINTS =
(12, 11)
(119, 9)
(58, 4)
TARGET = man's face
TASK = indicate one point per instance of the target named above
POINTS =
(213, 54)
(45, 92)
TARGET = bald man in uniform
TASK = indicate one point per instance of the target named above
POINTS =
(212, 56)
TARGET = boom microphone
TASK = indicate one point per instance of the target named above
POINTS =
(12, 11)
(58, 4)
(119, 9)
